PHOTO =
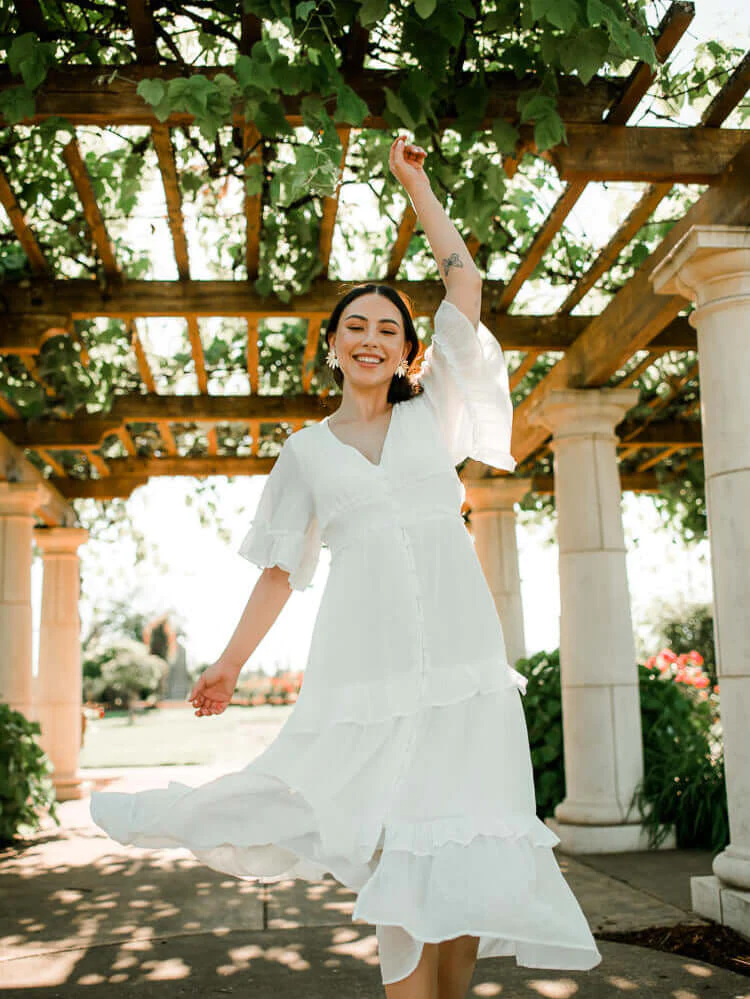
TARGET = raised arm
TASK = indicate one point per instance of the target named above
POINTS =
(462, 280)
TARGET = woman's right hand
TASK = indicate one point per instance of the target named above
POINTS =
(213, 690)
(406, 163)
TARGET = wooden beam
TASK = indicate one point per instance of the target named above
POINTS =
(142, 22)
(401, 244)
(25, 331)
(104, 95)
(721, 107)
(645, 482)
(330, 208)
(168, 169)
(672, 27)
(252, 151)
(311, 352)
(144, 368)
(637, 218)
(90, 431)
(696, 155)
(29, 243)
(636, 314)
(94, 220)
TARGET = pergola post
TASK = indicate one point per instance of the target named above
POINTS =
(600, 697)
(58, 693)
(18, 501)
(711, 267)
(492, 522)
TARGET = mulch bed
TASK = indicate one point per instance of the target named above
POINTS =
(713, 943)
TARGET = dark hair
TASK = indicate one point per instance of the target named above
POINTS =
(400, 389)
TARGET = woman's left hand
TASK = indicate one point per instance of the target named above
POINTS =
(406, 162)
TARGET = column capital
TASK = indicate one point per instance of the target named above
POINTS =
(710, 266)
(20, 498)
(593, 412)
(60, 540)
(498, 492)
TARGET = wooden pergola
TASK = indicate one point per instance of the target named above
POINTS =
(585, 410)
(601, 146)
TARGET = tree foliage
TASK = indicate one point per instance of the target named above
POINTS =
(444, 52)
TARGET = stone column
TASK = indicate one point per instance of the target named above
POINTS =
(58, 707)
(600, 698)
(18, 501)
(711, 267)
(493, 526)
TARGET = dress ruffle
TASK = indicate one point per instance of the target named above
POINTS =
(287, 548)
(465, 376)
(368, 703)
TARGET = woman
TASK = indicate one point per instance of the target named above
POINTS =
(404, 769)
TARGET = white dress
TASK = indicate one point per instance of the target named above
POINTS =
(404, 768)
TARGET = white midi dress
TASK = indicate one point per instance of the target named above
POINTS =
(404, 768)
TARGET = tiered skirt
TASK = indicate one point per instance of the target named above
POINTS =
(425, 809)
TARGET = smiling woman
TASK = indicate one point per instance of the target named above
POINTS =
(380, 775)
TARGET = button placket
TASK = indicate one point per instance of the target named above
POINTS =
(422, 651)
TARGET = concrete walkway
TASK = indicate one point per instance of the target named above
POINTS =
(83, 916)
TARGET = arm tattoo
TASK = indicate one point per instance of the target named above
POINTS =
(452, 261)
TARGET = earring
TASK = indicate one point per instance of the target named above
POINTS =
(402, 369)
(331, 360)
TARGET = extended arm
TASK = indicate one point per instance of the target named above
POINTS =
(213, 690)
(462, 280)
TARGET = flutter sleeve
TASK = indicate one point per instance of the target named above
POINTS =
(285, 530)
(465, 380)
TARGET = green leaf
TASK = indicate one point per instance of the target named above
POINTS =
(152, 91)
(350, 107)
(30, 58)
(533, 105)
(303, 10)
(372, 11)
(562, 13)
(16, 104)
(270, 120)
(584, 53)
(549, 131)
(425, 8)
(505, 135)
(398, 109)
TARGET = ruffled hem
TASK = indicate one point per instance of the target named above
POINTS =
(372, 703)
(476, 363)
(508, 891)
(288, 549)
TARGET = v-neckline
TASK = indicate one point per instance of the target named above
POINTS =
(356, 449)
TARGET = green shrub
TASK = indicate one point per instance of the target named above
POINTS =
(25, 784)
(684, 782)
(543, 708)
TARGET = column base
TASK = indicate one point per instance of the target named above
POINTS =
(624, 838)
(711, 898)
(72, 788)
(732, 867)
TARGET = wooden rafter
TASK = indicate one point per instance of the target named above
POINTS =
(401, 244)
(720, 108)
(92, 213)
(55, 303)
(142, 22)
(104, 95)
(673, 26)
(330, 208)
(636, 314)
(25, 235)
(144, 369)
(90, 431)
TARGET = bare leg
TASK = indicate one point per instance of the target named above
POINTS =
(422, 983)
(457, 959)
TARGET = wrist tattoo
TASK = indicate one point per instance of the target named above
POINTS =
(452, 261)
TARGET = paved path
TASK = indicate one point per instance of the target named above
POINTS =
(82, 916)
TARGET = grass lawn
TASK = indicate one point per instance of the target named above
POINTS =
(175, 736)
